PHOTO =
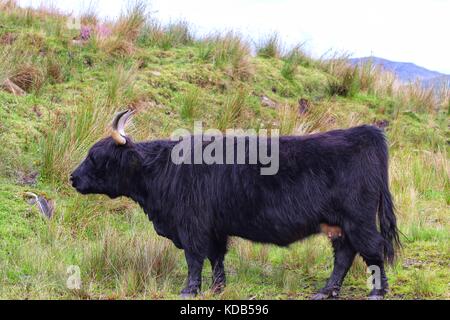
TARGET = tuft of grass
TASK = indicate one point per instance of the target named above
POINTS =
(177, 34)
(174, 34)
(422, 284)
(289, 68)
(121, 85)
(228, 51)
(131, 21)
(270, 47)
(28, 77)
(21, 66)
(418, 98)
(293, 59)
(89, 14)
(344, 82)
(54, 72)
(67, 140)
(126, 30)
(189, 103)
(288, 119)
(231, 110)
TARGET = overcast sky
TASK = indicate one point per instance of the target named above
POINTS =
(401, 30)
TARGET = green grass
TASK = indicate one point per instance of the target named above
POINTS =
(172, 79)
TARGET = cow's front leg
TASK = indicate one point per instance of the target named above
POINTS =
(194, 280)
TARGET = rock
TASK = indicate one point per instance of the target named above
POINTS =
(45, 206)
(265, 101)
(13, 88)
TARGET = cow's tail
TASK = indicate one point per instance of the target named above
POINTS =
(386, 212)
(388, 225)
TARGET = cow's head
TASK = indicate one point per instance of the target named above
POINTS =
(112, 164)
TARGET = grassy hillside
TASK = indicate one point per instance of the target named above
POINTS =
(71, 90)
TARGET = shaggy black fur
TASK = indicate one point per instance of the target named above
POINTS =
(338, 177)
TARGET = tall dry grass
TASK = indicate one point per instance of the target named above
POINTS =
(126, 30)
(134, 263)
(66, 142)
(120, 87)
(415, 96)
(349, 79)
(168, 36)
(8, 5)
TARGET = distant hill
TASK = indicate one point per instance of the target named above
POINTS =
(406, 71)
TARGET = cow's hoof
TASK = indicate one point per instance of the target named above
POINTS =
(320, 296)
(218, 289)
(325, 294)
(377, 294)
(187, 295)
(189, 292)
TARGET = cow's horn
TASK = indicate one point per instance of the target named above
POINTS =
(118, 126)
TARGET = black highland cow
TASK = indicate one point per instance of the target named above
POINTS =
(337, 178)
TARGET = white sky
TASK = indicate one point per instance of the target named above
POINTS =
(415, 31)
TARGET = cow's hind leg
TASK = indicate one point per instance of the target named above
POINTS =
(194, 280)
(344, 254)
(218, 273)
(216, 256)
(369, 243)
(380, 284)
